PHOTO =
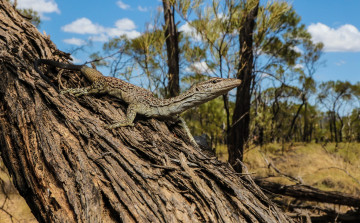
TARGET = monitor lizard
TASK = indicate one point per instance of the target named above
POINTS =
(142, 101)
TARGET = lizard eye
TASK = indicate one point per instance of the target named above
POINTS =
(214, 81)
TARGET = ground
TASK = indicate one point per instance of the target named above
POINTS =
(326, 167)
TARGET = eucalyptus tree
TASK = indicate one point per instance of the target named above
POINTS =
(246, 39)
(172, 48)
(333, 96)
(308, 63)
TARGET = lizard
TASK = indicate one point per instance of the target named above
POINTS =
(142, 101)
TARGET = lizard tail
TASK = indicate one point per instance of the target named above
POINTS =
(56, 64)
(44, 76)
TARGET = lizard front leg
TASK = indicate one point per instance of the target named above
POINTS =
(187, 131)
(129, 120)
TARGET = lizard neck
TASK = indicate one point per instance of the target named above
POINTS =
(91, 74)
(199, 94)
(188, 99)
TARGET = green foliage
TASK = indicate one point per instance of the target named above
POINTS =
(30, 14)
(278, 31)
(332, 92)
(208, 118)
(143, 56)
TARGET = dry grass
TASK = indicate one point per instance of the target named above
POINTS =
(15, 209)
(327, 168)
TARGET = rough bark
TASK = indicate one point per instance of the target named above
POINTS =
(69, 168)
(239, 131)
(172, 47)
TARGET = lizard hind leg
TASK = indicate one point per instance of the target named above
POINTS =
(128, 121)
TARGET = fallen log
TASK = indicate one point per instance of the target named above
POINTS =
(308, 193)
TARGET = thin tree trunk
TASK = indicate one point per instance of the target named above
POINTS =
(331, 128)
(306, 124)
(292, 125)
(172, 47)
(341, 127)
(69, 168)
(239, 132)
(333, 119)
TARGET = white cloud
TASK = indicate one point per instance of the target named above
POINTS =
(297, 49)
(150, 26)
(198, 67)
(99, 38)
(191, 31)
(299, 66)
(346, 38)
(142, 9)
(123, 27)
(41, 6)
(125, 24)
(83, 26)
(340, 62)
(75, 41)
(100, 33)
(122, 5)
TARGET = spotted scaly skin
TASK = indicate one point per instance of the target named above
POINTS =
(142, 101)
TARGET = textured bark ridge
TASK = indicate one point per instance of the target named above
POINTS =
(69, 168)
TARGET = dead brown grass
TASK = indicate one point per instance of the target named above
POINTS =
(327, 168)
(15, 209)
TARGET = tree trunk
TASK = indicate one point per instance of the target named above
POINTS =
(69, 168)
(333, 119)
(331, 127)
(306, 124)
(341, 127)
(239, 132)
(172, 47)
(292, 126)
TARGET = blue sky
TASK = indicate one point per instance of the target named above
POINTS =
(71, 23)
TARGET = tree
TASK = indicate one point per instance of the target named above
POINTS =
(70, 169)
(239, 132)
(308, 62)
(332, 96)
(172, 47)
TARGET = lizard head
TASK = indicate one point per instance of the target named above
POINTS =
(214, 87)
(202, 92)
(205, 91)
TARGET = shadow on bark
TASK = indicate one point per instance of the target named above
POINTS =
(69, 168)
